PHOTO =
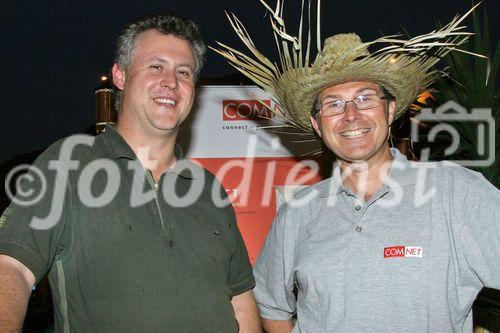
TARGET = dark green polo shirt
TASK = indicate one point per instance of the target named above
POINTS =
(126, 254)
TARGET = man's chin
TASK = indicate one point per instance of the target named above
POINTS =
(360, 158)
(167, 128)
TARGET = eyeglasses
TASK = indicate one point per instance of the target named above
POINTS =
(329, 107)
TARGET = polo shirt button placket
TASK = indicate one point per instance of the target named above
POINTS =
(358, 208)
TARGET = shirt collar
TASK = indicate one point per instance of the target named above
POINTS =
(403, 173)
(119, 149)
(116, 144)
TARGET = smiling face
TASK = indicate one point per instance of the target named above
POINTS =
(356, 135)
(158, 84)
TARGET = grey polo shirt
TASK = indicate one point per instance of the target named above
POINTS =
(126, 254)
(411, 259)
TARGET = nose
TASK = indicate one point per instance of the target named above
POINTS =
(350, 113)
(169, 80)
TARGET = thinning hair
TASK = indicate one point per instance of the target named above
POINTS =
(167, 24)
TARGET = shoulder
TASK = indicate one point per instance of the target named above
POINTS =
(60, 157)
(320, 189)
(75, 147)
(300, 208)
(460, 187)
(309, 197)
(453, 174)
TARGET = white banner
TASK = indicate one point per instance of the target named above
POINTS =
(228, 121)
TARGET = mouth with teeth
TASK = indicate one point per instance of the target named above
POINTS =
(165, 101)
(354, 133)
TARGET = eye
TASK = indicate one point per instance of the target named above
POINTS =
(327, 102)
(184, 73)
(362, 98)
(156, 67)
(366, 100)
(334, 104)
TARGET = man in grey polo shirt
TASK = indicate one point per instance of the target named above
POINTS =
(385, 244)
(134, 238)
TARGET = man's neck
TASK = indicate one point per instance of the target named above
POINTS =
(155, 152)
(366, 178)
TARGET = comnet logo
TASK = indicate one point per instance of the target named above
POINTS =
(403, 251)
(237, 110)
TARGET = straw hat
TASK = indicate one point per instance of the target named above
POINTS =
(403, 67)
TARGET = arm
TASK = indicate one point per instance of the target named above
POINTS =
(476, 209)
(16, 282)
(247, 315)
(274, 278)
(277, 326)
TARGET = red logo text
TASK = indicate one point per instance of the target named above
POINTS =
(246, 110)
(403, 251)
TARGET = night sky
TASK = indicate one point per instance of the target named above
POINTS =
(52, 53)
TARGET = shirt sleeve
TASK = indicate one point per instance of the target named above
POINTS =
(240, 274)
(476, 203)
(31, 226)
(240, 278)
(273, 272)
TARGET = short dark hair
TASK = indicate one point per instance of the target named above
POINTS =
(388, 95)
(314, 109)
(167, 24)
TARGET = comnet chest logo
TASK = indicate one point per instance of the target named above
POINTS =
(403, 251)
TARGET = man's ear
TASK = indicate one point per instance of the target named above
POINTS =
(315, 125)
(118, 76)
(392, 110)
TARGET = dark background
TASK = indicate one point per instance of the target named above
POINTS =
(52, 53)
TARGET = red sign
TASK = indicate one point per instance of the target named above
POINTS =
(254, 201)
(237, 110)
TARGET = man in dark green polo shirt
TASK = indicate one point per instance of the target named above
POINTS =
(134, 238)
